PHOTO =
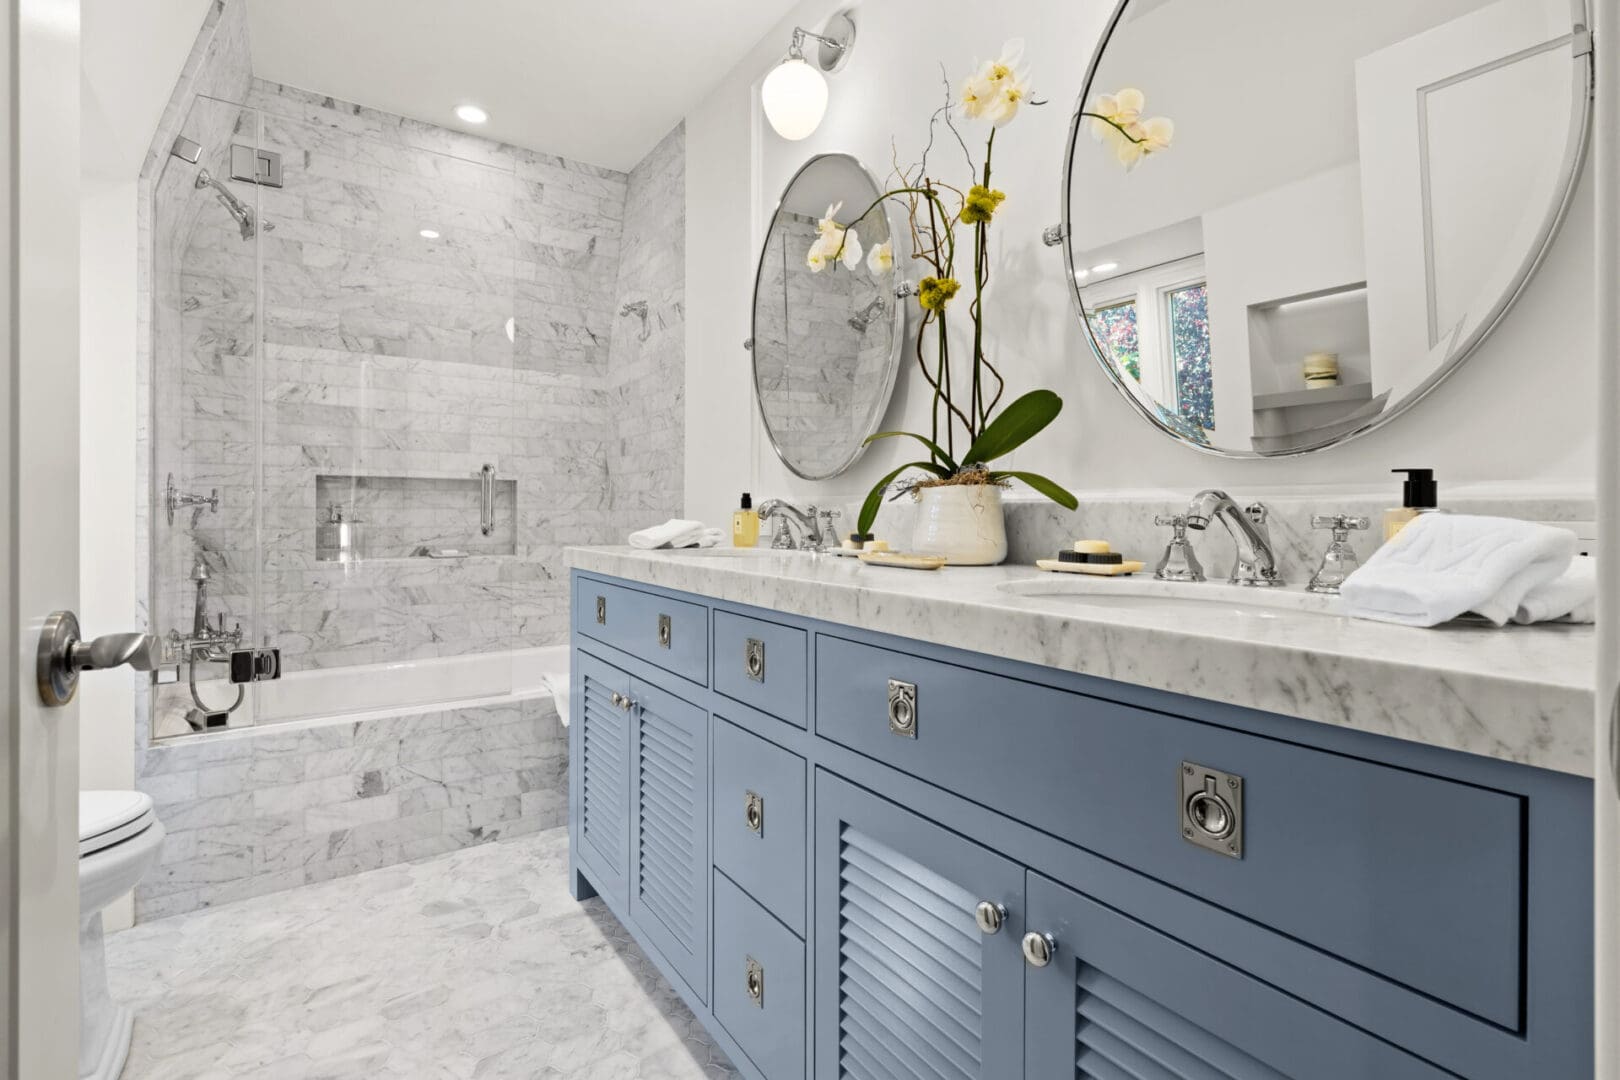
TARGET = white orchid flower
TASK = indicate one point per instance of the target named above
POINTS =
(880, 260)
(815, 258)
(1156, 134)
(829, 223)
(1123, 109)
(996, 90)
(851, 255)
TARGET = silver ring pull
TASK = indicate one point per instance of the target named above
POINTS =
(664, 632)
(754, 659)
(601, 611)
(754, 813)
(1039, 949)
(755, 982)
(990, 915)
(903, 708)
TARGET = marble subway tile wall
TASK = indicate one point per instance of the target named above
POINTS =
(255, 812)
(648, 452)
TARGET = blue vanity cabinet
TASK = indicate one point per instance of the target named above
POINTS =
(600, 766)
(1118, 998)
(907, 981)
(669, 829)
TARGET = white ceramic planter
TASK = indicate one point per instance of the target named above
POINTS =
(962, 522)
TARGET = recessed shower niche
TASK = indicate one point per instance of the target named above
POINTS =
(403, 517)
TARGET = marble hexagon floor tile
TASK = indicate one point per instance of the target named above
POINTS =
(474, 965)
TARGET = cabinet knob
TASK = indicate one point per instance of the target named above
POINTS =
(664, 633)
(989, 915)
(903, 708)
(620, 701)
(754, 813)
(754, 659)
(755, 981)
(1039, 949)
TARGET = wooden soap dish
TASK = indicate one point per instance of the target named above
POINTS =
(902, 560)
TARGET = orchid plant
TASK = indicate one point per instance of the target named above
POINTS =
(966, 415)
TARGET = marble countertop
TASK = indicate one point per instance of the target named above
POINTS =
(1521, 694)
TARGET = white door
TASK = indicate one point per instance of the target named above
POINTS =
(39, 536)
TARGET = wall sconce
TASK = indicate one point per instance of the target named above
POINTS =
(794, 94)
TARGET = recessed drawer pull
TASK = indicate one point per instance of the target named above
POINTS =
(1039, 949)
(663, 631)
(601, 611)
(756, 982)
(1212, 809)
(754, 659)
(754, 813)
(903, 708)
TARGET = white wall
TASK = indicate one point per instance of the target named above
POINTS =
(132, 54)
(1516, 415)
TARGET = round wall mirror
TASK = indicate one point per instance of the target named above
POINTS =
(828, 323)
(1344, 202)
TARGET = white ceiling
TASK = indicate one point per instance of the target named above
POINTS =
(599, 81)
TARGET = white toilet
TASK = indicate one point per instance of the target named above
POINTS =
(119, 840)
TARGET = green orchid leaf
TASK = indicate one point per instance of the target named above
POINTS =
(933, 448)
(1052, 491)
(1017, 424)
(874, 498)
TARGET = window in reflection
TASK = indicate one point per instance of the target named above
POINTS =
(1115, 329)
(1189, 350)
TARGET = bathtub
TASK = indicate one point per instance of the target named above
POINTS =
(360, 690)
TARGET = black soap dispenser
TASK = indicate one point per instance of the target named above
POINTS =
(1419, 495)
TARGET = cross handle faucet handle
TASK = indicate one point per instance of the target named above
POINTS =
(1339, 523)
(1177, 522)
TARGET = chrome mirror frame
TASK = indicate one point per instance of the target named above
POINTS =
(897, 316)
(1582, 89)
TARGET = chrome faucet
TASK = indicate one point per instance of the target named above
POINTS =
(815, 528)
(199, 617)
(1256, 562)
(211, 644)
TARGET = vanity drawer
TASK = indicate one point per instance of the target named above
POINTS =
(758, 820)
(1409, 875)
(762, 664)
(759, 983)
(672, 634)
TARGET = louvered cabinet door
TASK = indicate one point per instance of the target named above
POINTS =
(907, 986)
(669, 894)
(1120, 1000)
(600, 760)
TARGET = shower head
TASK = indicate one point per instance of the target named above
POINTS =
(246, 221)
(186, 150)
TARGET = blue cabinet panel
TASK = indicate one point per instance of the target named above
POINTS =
(600, 758)
(1121, 999)
(759, 820)
(1413, 876)
(669, 829)
(673, 634)
(762, 664)
(906, 982)
(759, 983)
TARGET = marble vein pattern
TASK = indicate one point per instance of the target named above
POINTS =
(338, 341)
(274, 808)
(475, 965)
(1521, 694)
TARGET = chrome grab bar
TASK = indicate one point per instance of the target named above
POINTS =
(486, 505)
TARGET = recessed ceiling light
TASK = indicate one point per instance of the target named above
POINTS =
(429, 234)
(1103, 268)
(471, 114)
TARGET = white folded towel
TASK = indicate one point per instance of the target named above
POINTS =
(675, 533)
(1442, 565)
(1570, 597)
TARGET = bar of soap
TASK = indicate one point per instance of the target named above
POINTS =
(876, 545)
(1092, 547)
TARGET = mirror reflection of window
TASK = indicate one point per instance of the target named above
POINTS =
(1115, 327)
(1189, 349)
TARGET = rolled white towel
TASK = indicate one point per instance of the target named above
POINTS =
(710, 538)
(1442, 565)
(1570, 597)
(676, 532)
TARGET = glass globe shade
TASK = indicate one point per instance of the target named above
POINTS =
(795, 99)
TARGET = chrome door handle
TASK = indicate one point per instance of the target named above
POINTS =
(63, 654)
(1039, 949)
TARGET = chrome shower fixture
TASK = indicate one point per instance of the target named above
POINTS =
(863, 318)
(186, 150)
(174, 499)
(246, 221)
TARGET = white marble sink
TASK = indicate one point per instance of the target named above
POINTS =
(1137, 593)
